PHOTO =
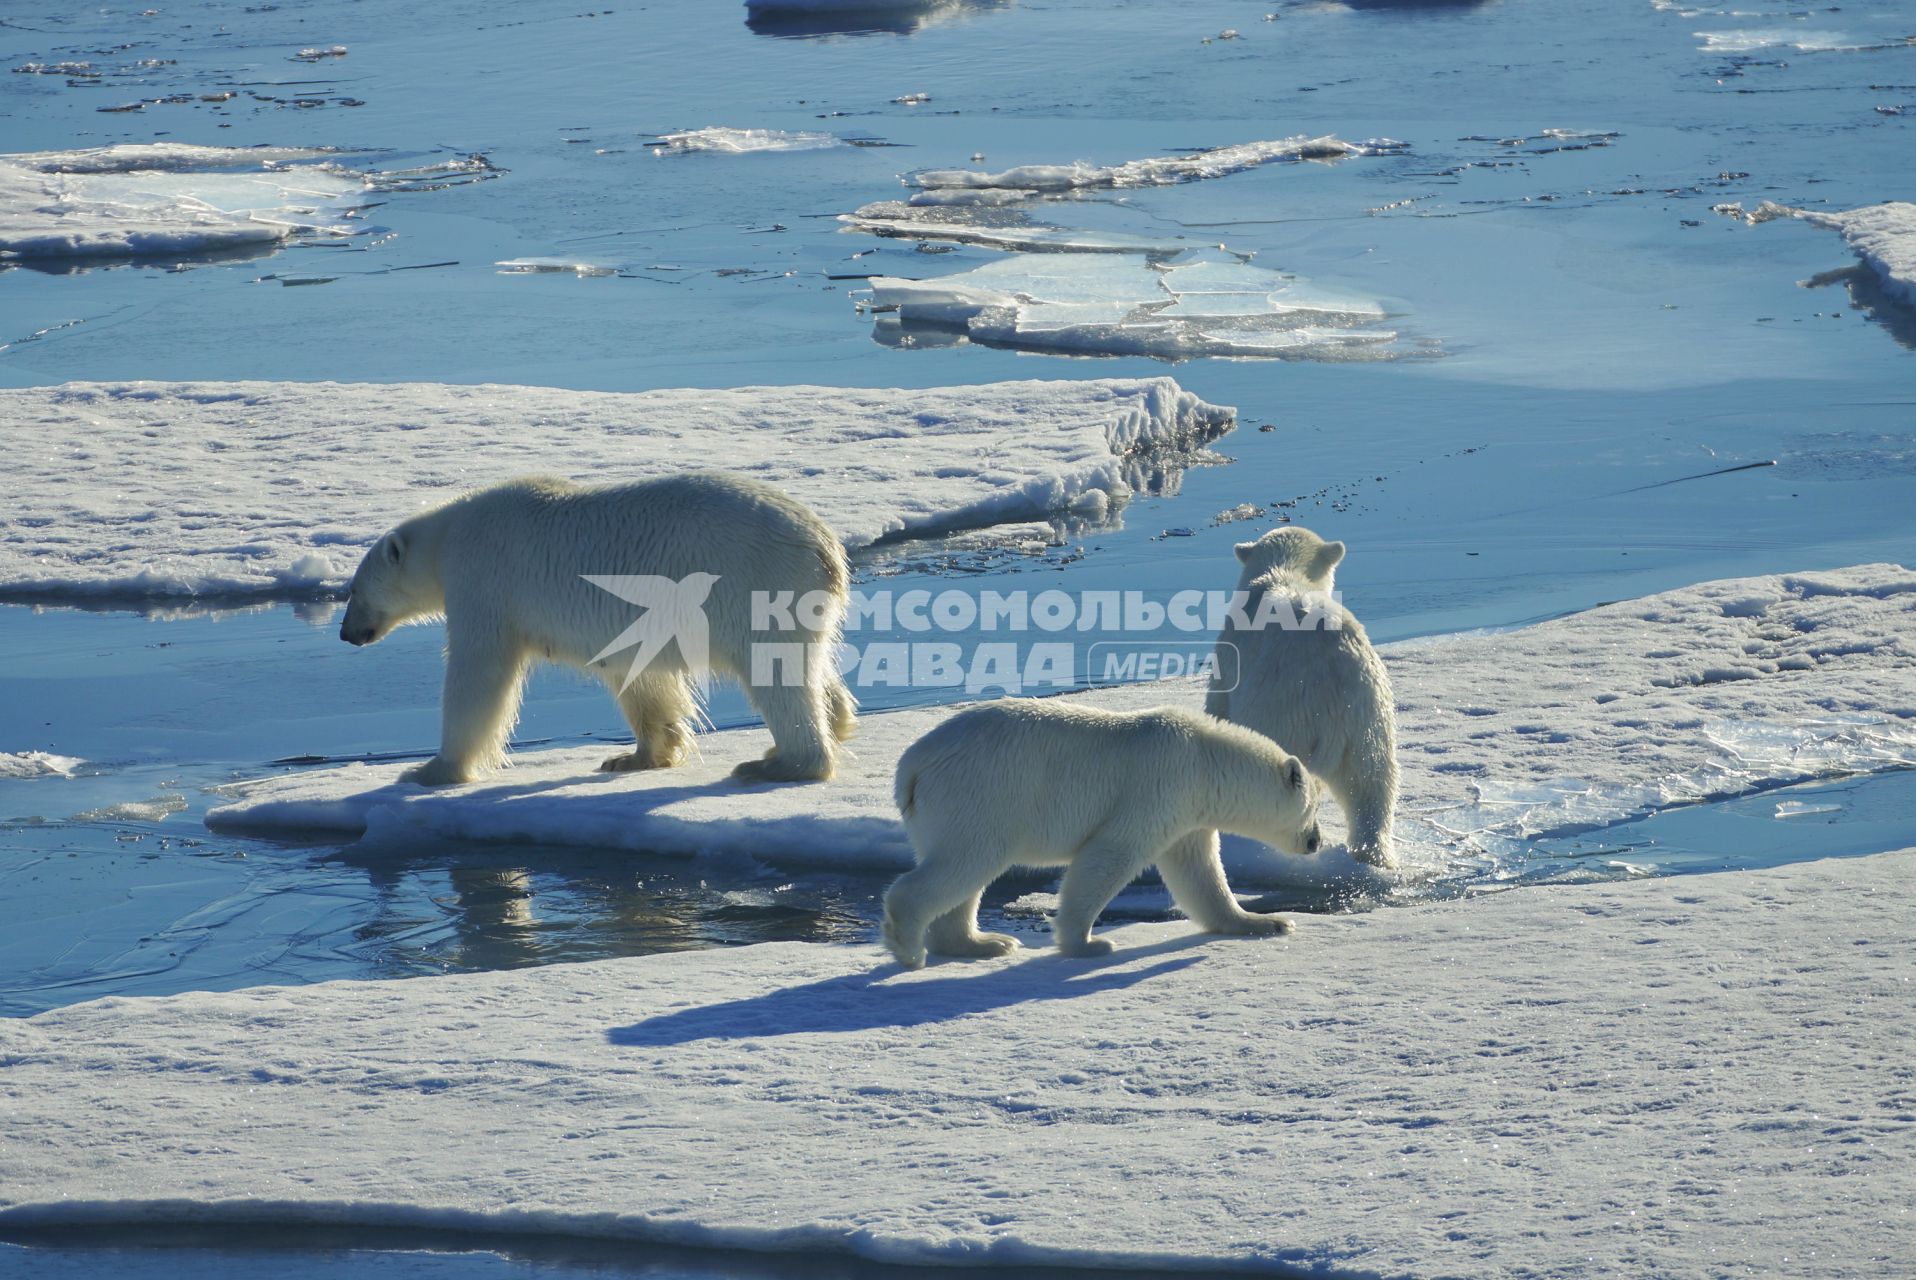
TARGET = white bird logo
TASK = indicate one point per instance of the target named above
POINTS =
(674, 610)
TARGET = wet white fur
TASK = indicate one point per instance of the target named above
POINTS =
(1105, 794)
(1319, 691)
(503, 566)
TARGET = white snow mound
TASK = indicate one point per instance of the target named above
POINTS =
(1707, 692)
(37, 764)
(1684, 1078)
(274, 489)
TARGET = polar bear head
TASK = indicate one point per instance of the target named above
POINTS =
(1296, 551)
(395, 584)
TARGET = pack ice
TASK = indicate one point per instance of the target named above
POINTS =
(1707, 692)
(155, 490)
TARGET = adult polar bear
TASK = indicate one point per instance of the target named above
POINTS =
(1317, 687)
(1048, 782)
(509, 568)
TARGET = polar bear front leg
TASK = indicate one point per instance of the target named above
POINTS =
(956, 934)
(1102, 867)
(659, 709)
(484, 674)
(1193, 872)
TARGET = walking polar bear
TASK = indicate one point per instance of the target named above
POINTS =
(1105, 794)
(1318, 688)
(507, 568)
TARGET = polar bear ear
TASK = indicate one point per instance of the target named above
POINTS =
(395, 549)
(1295, 775)
(1329, 556)
(1244, 550)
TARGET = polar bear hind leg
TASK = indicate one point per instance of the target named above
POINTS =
(802, 747)
(659, 708)
(844, 709)
(956, 934)
(939, 886)
(1193, 872)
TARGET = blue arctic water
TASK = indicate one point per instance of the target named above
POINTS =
(1583, 329)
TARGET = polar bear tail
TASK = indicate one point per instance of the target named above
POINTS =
(905, 789)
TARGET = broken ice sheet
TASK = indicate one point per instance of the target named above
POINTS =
(725, 141)
(994, 228)
(1198, 303)
(1156, 171)
(1804, 808)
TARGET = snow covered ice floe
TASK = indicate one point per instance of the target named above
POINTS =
(1756, 40)
(151, 490)
(1157, 171)
(1882, 235)
(726, 141)
(1201, 303)
(1707, 692)
(138, 200)
(167, 198)
(1683, 1078)
(37, 764)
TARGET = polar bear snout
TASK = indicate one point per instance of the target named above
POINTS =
(1313, 839)
(356, 636)
(355, 629)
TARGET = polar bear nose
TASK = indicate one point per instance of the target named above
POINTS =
(355, 636)
(1312, 840)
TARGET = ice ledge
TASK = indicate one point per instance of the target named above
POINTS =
(1500, 1087)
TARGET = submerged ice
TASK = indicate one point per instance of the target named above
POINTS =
(1200, 303)
(1157, 171)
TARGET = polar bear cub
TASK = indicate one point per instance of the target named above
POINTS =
(510, 568)
(1316, 685)
(1104, 794)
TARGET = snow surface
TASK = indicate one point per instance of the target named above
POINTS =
(1711, 691)
(743, 141)
(274, 489)
(37, 764)
(1202, 303)
(1693, 1077)
(167, 198)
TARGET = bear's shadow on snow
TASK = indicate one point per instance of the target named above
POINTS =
(869, 1001)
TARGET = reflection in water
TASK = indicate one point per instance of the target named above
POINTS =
(1867, 295)
(849, 18)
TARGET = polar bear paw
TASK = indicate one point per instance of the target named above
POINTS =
(1084, 947)
(436, 772)
(981, 946)
(1253, 925)
(771, 768)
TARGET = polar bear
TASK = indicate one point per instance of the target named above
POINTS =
(1104, 794)
(511, 569)
(1314, 686)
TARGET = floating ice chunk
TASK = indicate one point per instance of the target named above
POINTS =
(174, 198)
(972, 195)
(1156, 172)
(109, 492)
(555, 266)
(734, 142)
(156, 809)
(1805, 808)
(1196, 304)
(37, 764)
(1790, 38)
(980, 223)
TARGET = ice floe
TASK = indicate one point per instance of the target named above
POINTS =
(37, 764)
(1882, 235)
(1193, 304)
(1707, 692)
(1157, 171)
(726, 141)
(1754, 41)
(1503, 1087)
(179, 199)
(272, 489)
(168, 198)
(984, 222)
